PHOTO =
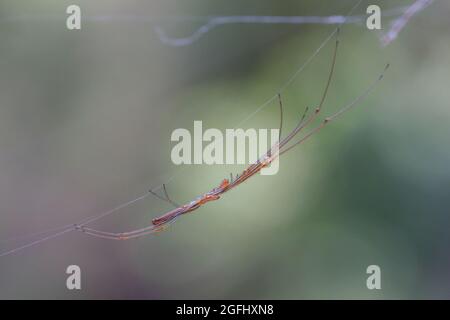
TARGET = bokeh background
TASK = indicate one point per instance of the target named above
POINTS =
(85, 124)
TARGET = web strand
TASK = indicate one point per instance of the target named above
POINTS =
(217, 21)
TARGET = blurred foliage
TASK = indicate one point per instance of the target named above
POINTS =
(85, 124)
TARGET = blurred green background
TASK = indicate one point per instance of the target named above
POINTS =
(85, 124)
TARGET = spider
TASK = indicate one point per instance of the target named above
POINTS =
(282, 146)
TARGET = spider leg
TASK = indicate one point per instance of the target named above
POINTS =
(302, 124)
(281, 116)
(342, 110)
(166, 196)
